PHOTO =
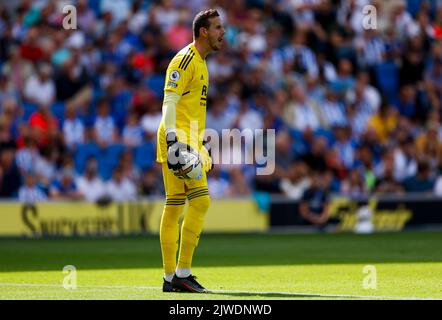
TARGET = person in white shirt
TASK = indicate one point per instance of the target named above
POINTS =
(120, 9)
(302, 113)
(218, 185)
(405, 160)
(151, 121)
(132, 133)
(90, 185)
(40, 88)
(297, 180)
(121, 189)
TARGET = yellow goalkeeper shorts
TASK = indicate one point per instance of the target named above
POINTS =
(174, 185)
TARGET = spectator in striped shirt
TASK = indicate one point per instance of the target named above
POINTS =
(30, 193)
(333, 110)
(73, 128)
(344, 145)
(371, 49)
(104, 126)
(27, 156)
(300, 57)
(64, 188)
(360, 109)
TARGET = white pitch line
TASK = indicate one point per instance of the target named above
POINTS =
(5, 284)
(265, 293)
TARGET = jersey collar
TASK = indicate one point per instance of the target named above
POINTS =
(197, 53)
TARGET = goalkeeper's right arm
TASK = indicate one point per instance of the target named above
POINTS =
(169, 115)
(174, 158)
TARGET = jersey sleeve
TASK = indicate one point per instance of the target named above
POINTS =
(178, 75)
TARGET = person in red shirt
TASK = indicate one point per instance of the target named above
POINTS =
(30, 48)
(44, 126)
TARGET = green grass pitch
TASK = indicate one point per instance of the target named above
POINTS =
(257, 266)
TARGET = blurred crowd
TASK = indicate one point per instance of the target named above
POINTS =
(79, 108)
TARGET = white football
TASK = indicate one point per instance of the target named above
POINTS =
(192, 168)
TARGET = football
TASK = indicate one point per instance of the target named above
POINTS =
(192, 169)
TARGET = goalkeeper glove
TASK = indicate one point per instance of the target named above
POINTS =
(175, 160)
(206, 156)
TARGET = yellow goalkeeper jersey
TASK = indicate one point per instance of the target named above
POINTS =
(187, 76)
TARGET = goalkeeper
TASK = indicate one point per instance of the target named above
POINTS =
(184, 110)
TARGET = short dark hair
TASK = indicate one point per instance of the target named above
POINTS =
(201, 20)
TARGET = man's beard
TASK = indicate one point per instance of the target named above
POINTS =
(213, 46)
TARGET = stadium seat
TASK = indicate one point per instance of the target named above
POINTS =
(29, 109)
(156, 84)
(144, 156)
(299, 147)
(108, 160)
(57, 110)
(120, 105)
(95, 6)
(105, 168)
(83, 153)
(387, 78)
(113, 153)
(326, 134)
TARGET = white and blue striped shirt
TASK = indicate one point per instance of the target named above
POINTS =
(373, 52)
(307, 58)
(345, 152)
(333, 112)
(104, 129)
(73, 132)
(306, 117)
(30, 195)
(25, 159)
(359, 121)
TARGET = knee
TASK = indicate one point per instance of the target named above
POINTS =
(201, 204)
(172, 211)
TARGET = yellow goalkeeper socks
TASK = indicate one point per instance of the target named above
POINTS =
(169, 231)
(199, 202)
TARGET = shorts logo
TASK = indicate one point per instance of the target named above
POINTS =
(174, 75)
(172, 84)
